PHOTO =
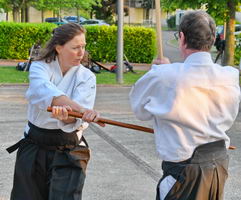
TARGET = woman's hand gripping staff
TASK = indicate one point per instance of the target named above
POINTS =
(62, 113)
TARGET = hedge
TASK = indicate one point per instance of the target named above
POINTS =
(237, 54)
(17, 38)
(139, 43)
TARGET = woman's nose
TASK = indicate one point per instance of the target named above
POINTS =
(81, 52)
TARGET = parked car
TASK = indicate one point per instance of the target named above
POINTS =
(74, 19)
(92, 22)
(56, 20)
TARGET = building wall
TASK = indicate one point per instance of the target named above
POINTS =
(34, 15)
(135, 16)
(2, 15)
(238, 16)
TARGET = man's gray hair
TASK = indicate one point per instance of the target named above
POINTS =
(199, 30)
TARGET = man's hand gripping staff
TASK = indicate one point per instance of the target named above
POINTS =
(91, 117)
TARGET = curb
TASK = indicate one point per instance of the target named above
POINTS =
(26, 84)
(13, 84)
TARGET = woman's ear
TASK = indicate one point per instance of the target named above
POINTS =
(58, 48)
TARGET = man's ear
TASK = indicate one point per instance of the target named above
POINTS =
(182, 39)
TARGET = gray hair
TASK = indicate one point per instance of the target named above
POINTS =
(199, 30)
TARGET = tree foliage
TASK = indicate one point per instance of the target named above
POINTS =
(53, 5)
(223, 11)
(105, 9)
(218, 9)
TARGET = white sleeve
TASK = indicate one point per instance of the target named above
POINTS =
(41, 90)
(84, 94)
(141, 95)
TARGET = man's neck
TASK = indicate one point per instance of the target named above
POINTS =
(188, 52)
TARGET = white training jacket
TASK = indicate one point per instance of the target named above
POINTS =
(190, 104)
(47, 81)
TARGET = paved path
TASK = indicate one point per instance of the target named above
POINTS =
(124, 164)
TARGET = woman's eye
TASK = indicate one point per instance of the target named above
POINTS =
(77, 48)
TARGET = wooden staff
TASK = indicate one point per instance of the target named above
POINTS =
(158, 30)
(111, 122)
(116, 123)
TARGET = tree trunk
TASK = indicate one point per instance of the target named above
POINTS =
(23, 17)
(77, 13)
(228, 58)
(42, 15)
(27, 13)
(59, 14)
(16, 15)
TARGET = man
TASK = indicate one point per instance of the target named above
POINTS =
(192, 105)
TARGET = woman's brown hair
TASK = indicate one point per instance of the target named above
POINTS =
(61, 35)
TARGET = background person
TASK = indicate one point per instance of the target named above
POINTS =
(192, 105)
(52, 158)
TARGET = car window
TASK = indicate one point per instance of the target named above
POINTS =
(72, 18)
(53, 19)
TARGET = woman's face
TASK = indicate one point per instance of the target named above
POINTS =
(71, 53)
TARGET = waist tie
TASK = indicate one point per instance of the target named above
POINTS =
(203, 153)
(50, 139)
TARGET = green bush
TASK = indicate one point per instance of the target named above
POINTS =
(171, 22)
(237, 53)
(17, 38)
(139, 43)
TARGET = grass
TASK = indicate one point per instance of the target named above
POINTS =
(129, 78)
(11, 75)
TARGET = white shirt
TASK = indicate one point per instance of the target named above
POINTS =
(47, 81)
(190, 104)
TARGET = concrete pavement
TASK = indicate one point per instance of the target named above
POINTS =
(124, 164)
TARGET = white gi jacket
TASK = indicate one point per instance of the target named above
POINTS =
(190, 104)
(47, 81)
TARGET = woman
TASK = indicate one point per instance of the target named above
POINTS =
(53, 155)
